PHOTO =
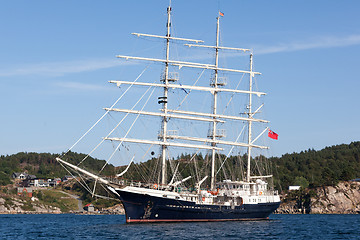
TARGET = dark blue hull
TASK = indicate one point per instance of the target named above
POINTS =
(144, 208)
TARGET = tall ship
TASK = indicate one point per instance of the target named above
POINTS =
(225, 177)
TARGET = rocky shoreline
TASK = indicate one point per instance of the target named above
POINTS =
(344, 198)
(15, 204)
(19, 206)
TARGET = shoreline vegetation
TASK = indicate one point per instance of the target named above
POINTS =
(324, 178)
(58, 202)
(344, 198)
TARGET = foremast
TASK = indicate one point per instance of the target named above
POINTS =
(164, 100)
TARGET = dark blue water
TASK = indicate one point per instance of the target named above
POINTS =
(69, 226)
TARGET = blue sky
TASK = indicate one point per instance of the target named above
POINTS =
(57, 56)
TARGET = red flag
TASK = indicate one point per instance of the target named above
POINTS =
(221, 14)
(273, 135)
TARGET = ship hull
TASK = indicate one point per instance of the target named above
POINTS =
(143, 208)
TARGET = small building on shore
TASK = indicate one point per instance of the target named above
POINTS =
(25, 191)
(21, 176)
(89, 207)
(294, 188)
(39, 182)
(67, 178)
(54, 182)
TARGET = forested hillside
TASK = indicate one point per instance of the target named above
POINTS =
(318, 168)
(44, 165)
(308, 168)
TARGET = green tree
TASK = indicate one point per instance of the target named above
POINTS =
(301, 181)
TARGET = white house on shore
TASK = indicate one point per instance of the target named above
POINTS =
(294, 188)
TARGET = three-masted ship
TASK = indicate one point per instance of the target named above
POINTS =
(250, 198)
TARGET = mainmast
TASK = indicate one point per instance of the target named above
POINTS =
(213, 179)
(250, 115)
(164, 99)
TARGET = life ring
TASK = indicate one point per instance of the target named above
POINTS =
(260, 193)
(155, 186)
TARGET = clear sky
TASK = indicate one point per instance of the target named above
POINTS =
(57, 56)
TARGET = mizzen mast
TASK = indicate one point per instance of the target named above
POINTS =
(250, 116)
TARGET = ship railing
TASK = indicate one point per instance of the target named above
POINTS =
(264, 193)
(132, 183)
(124, 182)
(272, 192)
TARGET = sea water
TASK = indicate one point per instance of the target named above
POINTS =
(70, 226)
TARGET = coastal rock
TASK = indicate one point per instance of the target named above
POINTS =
(117, 209)
(341, 199)
(15, 206)
(344, 198)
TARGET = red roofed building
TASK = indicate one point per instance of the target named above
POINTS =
(89, 207)
(24, 191)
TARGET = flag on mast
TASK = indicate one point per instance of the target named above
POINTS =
(273, 135)
(221, 14)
